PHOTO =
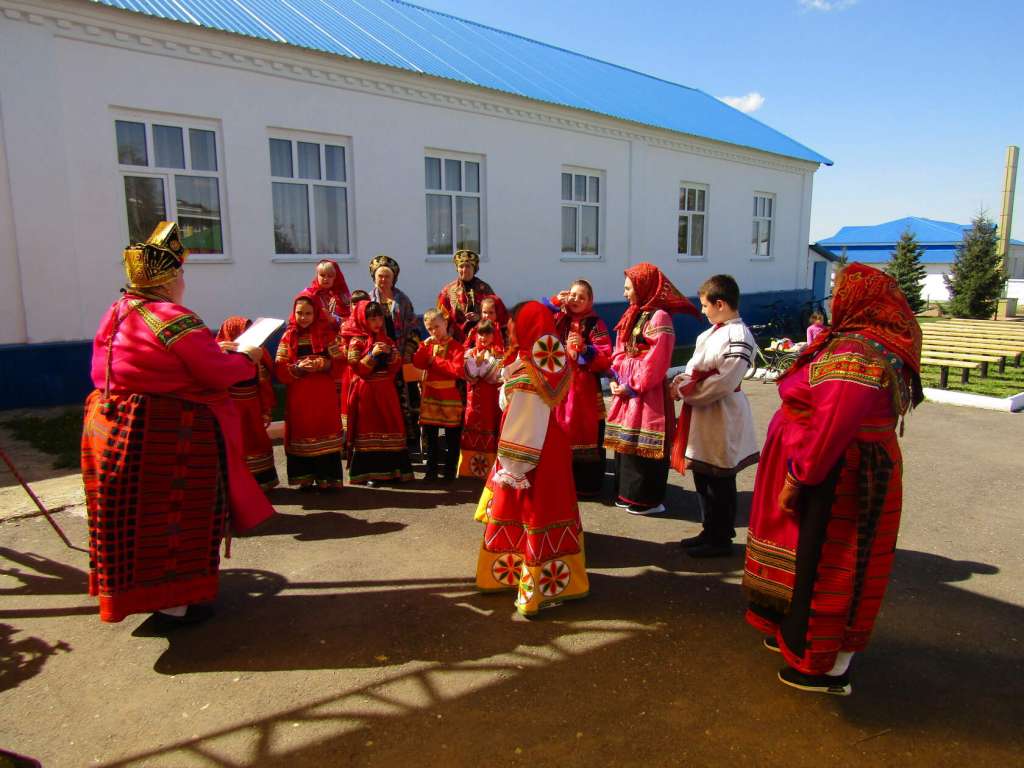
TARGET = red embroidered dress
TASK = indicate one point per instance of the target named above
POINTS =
(335, 301)
(442, 365)
(375, 441)
(582, 413)
(312, 420)
(458, 297)
(160, 435)
(533, 537)
(479, 443)
(815, 579)
(255, 399)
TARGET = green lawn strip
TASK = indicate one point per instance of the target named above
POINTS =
(1006, 384)
(59, 435)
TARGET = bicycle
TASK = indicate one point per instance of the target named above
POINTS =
(774, 361)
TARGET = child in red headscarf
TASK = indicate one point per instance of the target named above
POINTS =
(254, 400)
(582, 412)
(309, 363)
(533, 541)
(479, 442)
(640, 418)
(375, 439)
(331, 290)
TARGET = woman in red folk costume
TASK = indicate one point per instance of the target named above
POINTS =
(533, 539)
(582, 412)
(375, 441)
(828, 493)
(641, 415)
(309, 363)
(160, 444)
(482, 361)
(254, 398)
(331, 290)
(460, 299)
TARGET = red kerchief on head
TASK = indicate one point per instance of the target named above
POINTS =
(358, 325)
(232, 328)
(321, 331)
(339, 289)
(653, 291)
(538, 346)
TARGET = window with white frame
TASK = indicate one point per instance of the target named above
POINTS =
(170, 171)
(764, 215)
(310, 189)
(581, 212)
(455, 203)
(693, 206)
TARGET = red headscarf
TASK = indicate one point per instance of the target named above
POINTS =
(869, 303)
(356, 325)
(653, 291)
(321, 331)
(538, 346)
(232, 328)
(338, 290)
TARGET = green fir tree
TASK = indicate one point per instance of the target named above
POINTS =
(977, 277)
(908, 270)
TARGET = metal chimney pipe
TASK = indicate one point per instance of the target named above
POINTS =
(1006, 217)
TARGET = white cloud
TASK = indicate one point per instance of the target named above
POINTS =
(752, 102)
(826, 5)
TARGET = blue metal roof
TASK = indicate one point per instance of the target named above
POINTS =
(927, 232)
(934, 254)
(398, 34)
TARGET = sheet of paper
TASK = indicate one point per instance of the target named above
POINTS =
(259, 331)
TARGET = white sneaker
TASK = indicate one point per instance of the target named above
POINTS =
(635, 510)
(621, 504)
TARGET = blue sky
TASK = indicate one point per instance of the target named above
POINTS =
(903, 95)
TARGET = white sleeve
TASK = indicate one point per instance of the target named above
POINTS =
(522, 438)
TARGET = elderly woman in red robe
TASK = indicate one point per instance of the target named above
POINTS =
(160, 443)
(828, 493)
(309, 362)
(533, 537)
(582, 412)
(460, 299)
(375, 440)
(255, 399)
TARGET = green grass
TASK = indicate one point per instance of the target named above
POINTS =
(59, 435)
(682, 355)
(1010, 382)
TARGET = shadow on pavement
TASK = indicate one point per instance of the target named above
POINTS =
(321, 526)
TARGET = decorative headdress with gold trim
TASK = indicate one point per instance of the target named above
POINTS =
(467, 257)
(381, 260)
(158, 260)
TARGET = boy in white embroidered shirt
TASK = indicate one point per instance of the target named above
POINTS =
(716, 428)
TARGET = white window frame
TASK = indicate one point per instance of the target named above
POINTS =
(462, 158)
(321, 140)
(689, 213)
(602, 192)
(167, 175)
(764, 211)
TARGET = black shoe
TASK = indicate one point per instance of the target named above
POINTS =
(710, 550)
(771, 644)
(836, 685)
(194, 614)
(693, 541)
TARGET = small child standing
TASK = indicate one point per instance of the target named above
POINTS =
(716, 427)
(817, 320)
(479, 444)
(440, 357)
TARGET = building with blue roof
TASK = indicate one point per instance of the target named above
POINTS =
(938, 239)
(280, 132)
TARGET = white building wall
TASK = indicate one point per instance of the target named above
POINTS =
(67, 198)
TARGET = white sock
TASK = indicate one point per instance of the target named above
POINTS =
(178, 610)
(842, 663)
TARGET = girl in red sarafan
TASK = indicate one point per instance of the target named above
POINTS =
(331, 290)
(375, 440)
(309, 363)
(533, 539)
(479, 443)
(828, 492)
(254, 400)
(582, 412)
